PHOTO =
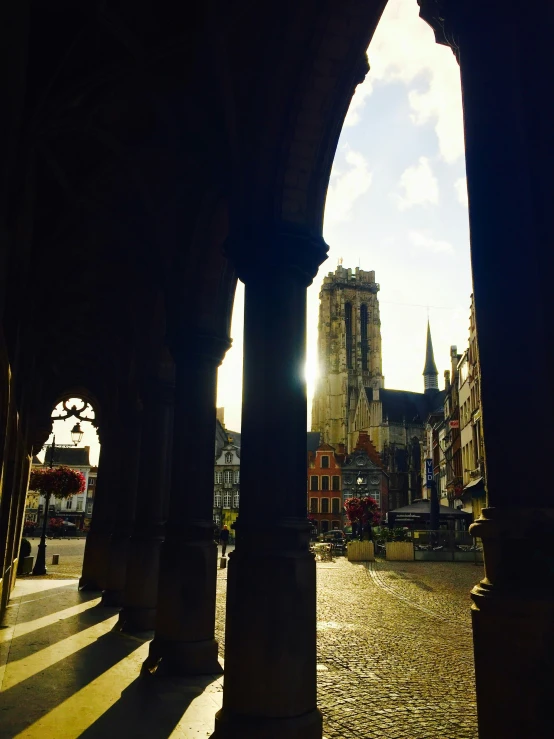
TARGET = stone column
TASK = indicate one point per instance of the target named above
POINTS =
(95, 560)
(270, 637)
(118, 549)
(184, 642)
(141, 587)
(507, 71)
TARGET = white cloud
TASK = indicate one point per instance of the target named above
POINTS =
(423, 242)
(403, 49)
(346, 187)
(461, 191)
(419, 184)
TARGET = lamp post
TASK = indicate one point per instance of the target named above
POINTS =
(40, 564)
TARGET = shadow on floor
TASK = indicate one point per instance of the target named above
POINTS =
(152, 708)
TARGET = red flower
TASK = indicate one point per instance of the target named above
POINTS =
(61, 482)
(362, 510)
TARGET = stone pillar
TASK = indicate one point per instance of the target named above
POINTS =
(95, 560)
(270, 637)
(118, 549)
(184, 642)
(141, 588)
(507, 71)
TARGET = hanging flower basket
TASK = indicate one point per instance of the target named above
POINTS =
(61, 482)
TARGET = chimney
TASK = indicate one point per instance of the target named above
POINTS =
(446, 379)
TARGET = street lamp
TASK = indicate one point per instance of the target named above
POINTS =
(40, 564)
(76, 434)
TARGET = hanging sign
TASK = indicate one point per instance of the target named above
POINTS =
(429, 477)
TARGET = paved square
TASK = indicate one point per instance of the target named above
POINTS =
(395, 655)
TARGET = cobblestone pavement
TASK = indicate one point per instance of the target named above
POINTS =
(395, 656)
(71, 551)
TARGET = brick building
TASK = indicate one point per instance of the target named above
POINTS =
(325, 487)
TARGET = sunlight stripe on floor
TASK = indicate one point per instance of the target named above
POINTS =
(72, 717)
(40, 623)
(23, 669)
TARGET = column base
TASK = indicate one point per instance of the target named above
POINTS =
(229, 726)
(95, 562)
(135, 620)
(513, 622)
(170, 658)
(112, 598)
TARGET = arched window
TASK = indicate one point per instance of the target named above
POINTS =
(237, 477)
(236, 499)
(218, 478)
(348, 325)
(217, 500)
(227, 499)
(228, 478)
(363, 335)
(228, 458)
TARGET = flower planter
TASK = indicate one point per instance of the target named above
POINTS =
(25, 565)
(399, 551)
(360, 551)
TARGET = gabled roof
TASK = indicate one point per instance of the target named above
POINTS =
(325, 448)
(70, 456)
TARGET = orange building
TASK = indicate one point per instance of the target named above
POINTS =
(325, 487)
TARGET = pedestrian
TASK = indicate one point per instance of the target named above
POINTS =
(224, 539)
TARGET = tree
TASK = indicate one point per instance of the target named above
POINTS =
(362, 514)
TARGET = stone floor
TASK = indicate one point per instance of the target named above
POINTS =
(394, 660)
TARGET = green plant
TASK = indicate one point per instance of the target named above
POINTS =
(25, 548)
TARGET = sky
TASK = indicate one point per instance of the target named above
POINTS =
(396, 204)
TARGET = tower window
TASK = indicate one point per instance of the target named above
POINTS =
(348, 326)
(363, 335)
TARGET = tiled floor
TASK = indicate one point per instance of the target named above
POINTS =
(64, 673)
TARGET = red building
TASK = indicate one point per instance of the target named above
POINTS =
(325, 487)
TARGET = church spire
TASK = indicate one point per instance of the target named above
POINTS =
(430, 372)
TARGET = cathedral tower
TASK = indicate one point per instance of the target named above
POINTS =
(430, 371)
(349, 350)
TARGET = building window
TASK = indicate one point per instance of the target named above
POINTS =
(336, 482)
(325, 462)
(228, 458)
(325, 505)
(218, 478)
(79, 505)
(91, 481)
(89, 509)
(336, 525)
(313, 505)
(314, 482)
(324, 526)
(348, 327)
(335, 505)
(363, 335)
(68, 504)
(227, 499)
(217, 519)
(237, 477)
(217, 500)
(325, 482)
(228, 478)
(236, 499)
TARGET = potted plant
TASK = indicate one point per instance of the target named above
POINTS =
(25, 561)
(363, 513)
